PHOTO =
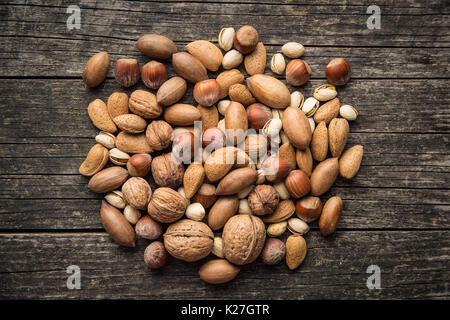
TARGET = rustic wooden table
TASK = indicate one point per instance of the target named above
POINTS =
(396, 211)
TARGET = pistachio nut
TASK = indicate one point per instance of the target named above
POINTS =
(293, 50)
(276, 229)
(106, 139)
(277, 64)
(310, 106)
(222, 106)
(297, 99)
(232, 59)
(131, 214)
(118, 157)
(282, 190)
(296, 225)
(272, 128)
(244, 208)
(312, 123)
(116, 199)
(218, 247)
(195, 211)
(277, 114)
(284, 137)
(348, 112)
(325, 92)
(226, 37)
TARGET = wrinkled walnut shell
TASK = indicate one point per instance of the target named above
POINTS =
(159, 134)
(167, 172)
(263, 200)
(166, 205)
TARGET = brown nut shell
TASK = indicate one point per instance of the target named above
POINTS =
(319, 142)
(137, 192)
(117, 104)
(284, 211)
(327, 111)
(298, 72)
(116, 225)
(226, 79)
(96, 160)
(222, 210)
(208, 54)
(189, 67)
(263, 200)
(330, 215)
(154, 74)
(273, 252)
(295, 251)
(126, 72)
(255, 62)
(193, 179)
(156, 46)
(206, 92)
(99, 115)
(171, 91)
(350, 162)
(297, 127)
(298, 184)
(96, 69)
(159, 134)
(338, 71)
(236, 122)
(206, 195)
(148, 228)
(308, 208)
(144, 104)
(218, 271)
(166, 205)
(209, 116)
(269, 91)
(155, 255)
(108, 179)
(240, 93)
(338, 131)
(323, 176)
(236, 181)
(132, 143)
(304, 160)
(130, 123)
(166, 171)
(181, 114)
(245, 39)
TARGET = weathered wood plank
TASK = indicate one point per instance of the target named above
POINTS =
(413, 265)
(54, 108)
(338, 24)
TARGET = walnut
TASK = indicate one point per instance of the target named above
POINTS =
(166, 205)
(137, 192)
(243, 239)
(144, 104)
(158, 134)
(263, 200)
(167, 172)
(189, 240)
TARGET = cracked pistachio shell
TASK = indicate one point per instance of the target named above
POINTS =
(106, 139)
(310, 106)
(116, 199)
(293, 50)
(278, 64)
(118, 157)
(131, 214)
(276, 229)
(296, 225)
(232, 59)
(325, 92)
(226, 36)
(297, 99)
(348, 112)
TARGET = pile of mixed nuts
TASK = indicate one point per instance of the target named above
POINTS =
(251, 170)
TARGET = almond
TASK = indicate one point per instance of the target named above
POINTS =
(287, 151)
(319, 142)
(236, 181)
(295, 251)
(96, 69)
(284, 211)
(337, 136)
(269, 91)
(236, 122)
(296, 127)
(239, 93)
(218, 271)
(117, 225)
(171, 91)
(304, 161)
(210, 116)
(222, 210)
(96, 160)
(100, 117)
(207, 53)
(117, 104)
(182, 114)
(329, 218)
(130, 123)
(324, 176)
(108, 179)
(132, 143)
(327, 111)
(350, 162)
(226, 79)
(193, 179)
(156, 46)
(255, 62)
(189, 67)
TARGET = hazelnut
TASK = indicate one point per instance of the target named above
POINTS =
(139, 165)
(154, 74)
(167, 172)
(263, 200)
(137, 192)
(273, 251)
(189, 240)
(298, 72)
(183, 147)
(213, 137)
(148, 228)
(195, 211)
(155, 255)
(245, 39)
(206, 92)
(206, 195)
(308, 208)
(258, 115)
(166, 205)
(159, 134)
(297, 183)
(127, 72)
(338, 71)
(275, 169)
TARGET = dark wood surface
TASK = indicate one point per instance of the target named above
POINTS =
(396, 210)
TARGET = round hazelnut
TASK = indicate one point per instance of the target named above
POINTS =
(206, 195)
(338, 71)
(148, 228)
(213, 137)
(155, 255)
(137, 192)
(273, 252)
(154, 74)
(166, 205)
(297, 183)
(245, 39)
(298, 72)
(263, 200)
(139, 164)
(159, 134)
(127, 72)
(167, 172)
(206, 92)
(308, 208)
(258, 115)
(243, 238)
(189, 240)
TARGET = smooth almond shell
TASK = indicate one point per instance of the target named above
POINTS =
(96, 160)
(98, 112)
(116, 225)
(284, 211)
(350, 162)
(132, 143)
(269, 91)
(236, 181)
(255, 62)
(189, 67)
(295, 251)
(156, 46)
(117, 104)
(218, 271)
(297, 128)
(219, 163)
(130, 123)
(304, 160)
(222, 210)
(171, 91)
(96, 69)
(108, 179)
(193, 179)
(323, 176)
(319, 142)
(330, 216)
(226, 79)
(337, 136)
(236, 119)
(327, 111)
(182, 114)
(207, 53)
